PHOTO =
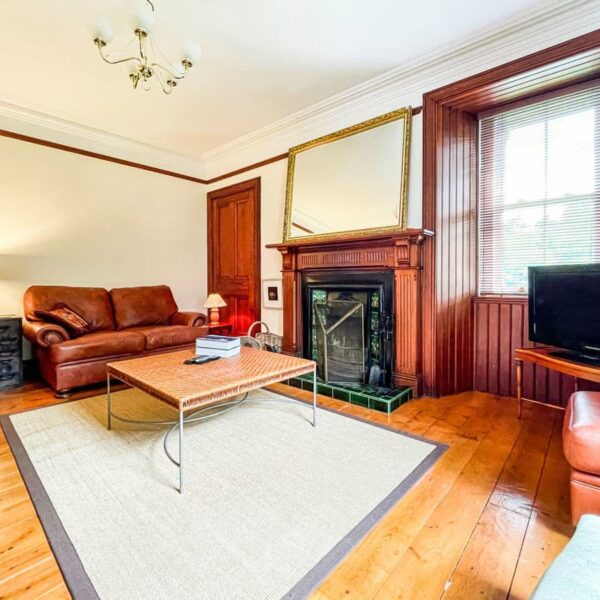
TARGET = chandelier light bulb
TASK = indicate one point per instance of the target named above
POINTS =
(103, 29)
(144, 19)
(192, 52)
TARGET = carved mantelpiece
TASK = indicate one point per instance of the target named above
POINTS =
(400, 252)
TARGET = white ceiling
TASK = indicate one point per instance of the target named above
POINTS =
(262, 59)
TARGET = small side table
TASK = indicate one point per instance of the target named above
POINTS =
(542, 357)
(11, 355)
(222, 328)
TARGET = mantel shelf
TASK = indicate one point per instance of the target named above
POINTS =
(353, 240)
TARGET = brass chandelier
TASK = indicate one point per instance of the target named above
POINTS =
(144, 65)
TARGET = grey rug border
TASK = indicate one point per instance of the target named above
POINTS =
(78, 581)
(332, 559)
(76, 578)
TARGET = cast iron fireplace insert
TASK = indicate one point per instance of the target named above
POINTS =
(375, 291)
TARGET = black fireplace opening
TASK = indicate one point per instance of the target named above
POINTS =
(348, 325)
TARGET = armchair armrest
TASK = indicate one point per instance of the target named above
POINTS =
(191, 319)
(43, 334)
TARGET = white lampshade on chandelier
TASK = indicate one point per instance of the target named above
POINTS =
(147, 62)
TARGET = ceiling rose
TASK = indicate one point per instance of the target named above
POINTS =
(146, 62)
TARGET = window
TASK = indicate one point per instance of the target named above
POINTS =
(539, 184)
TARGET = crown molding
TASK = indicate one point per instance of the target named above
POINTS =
(554, 22)
(34, 124)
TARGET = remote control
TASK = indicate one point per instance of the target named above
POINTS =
(200, 360)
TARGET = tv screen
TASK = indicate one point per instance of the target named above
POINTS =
(564, 307)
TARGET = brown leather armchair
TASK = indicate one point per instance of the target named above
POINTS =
(581, 444)
(122, 323)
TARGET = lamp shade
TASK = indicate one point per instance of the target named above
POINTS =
(214, 301)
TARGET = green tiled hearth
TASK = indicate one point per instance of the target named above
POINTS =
(382, 399)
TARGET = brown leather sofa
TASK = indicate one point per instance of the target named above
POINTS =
(123, 323)
(581, 444)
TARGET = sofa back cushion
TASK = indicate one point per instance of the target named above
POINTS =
(150, 305)
(93, 304)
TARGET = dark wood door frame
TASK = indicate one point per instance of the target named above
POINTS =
(244, 186)
(450, 195)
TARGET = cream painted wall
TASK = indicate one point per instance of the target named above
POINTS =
(273, 182)
(72, 220)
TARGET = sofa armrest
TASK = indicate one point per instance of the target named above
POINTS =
(191, 319)
(43, 334)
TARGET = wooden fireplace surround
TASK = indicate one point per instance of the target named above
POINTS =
(400, 252)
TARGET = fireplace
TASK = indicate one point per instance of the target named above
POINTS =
(394, 344)
(348, 325)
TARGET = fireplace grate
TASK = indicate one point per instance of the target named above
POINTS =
(340, 326)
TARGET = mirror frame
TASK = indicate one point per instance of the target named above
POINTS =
(396, 115)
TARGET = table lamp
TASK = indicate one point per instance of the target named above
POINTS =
(214, 302)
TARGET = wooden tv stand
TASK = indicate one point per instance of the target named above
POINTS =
(543, 358)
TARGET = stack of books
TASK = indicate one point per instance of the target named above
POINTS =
(218, 345)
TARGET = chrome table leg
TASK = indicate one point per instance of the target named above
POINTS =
(180, 451)
(108, 403)
(314, 398)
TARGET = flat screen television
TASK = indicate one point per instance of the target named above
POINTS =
(564, 309)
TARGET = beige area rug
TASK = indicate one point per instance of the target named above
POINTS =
(270, 505)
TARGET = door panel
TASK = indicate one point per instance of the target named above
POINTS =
(234, 251)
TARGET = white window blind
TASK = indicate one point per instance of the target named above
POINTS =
(539, 184)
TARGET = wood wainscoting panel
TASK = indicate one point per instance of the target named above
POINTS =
(501, 325)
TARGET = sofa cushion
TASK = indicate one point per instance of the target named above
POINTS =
(581, 432)
(96, 345)
(62, 315)
(93, 304)
(163, 336)
(135, 306)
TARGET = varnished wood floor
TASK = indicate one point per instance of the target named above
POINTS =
(485, 522)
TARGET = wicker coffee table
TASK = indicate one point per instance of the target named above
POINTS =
(200, 392)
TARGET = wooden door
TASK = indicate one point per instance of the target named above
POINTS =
(234, 251)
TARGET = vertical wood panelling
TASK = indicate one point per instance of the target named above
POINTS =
(450, 266)
(500, 327)
(449, 210)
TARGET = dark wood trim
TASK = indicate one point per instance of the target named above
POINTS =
(415, 111)
(251, 167)
(244, 186)
(136, 165)
(537, 69)
(449, 195)
(497, 299)
(119, 161)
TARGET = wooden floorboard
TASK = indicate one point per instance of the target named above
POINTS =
(484, 522)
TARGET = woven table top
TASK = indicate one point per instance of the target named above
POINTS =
(165, 377)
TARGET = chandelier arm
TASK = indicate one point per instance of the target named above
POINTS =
(159, 53)
(173, 75)
(167, 89)
(118, 61)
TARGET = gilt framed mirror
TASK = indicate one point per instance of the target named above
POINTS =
(350, 183)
